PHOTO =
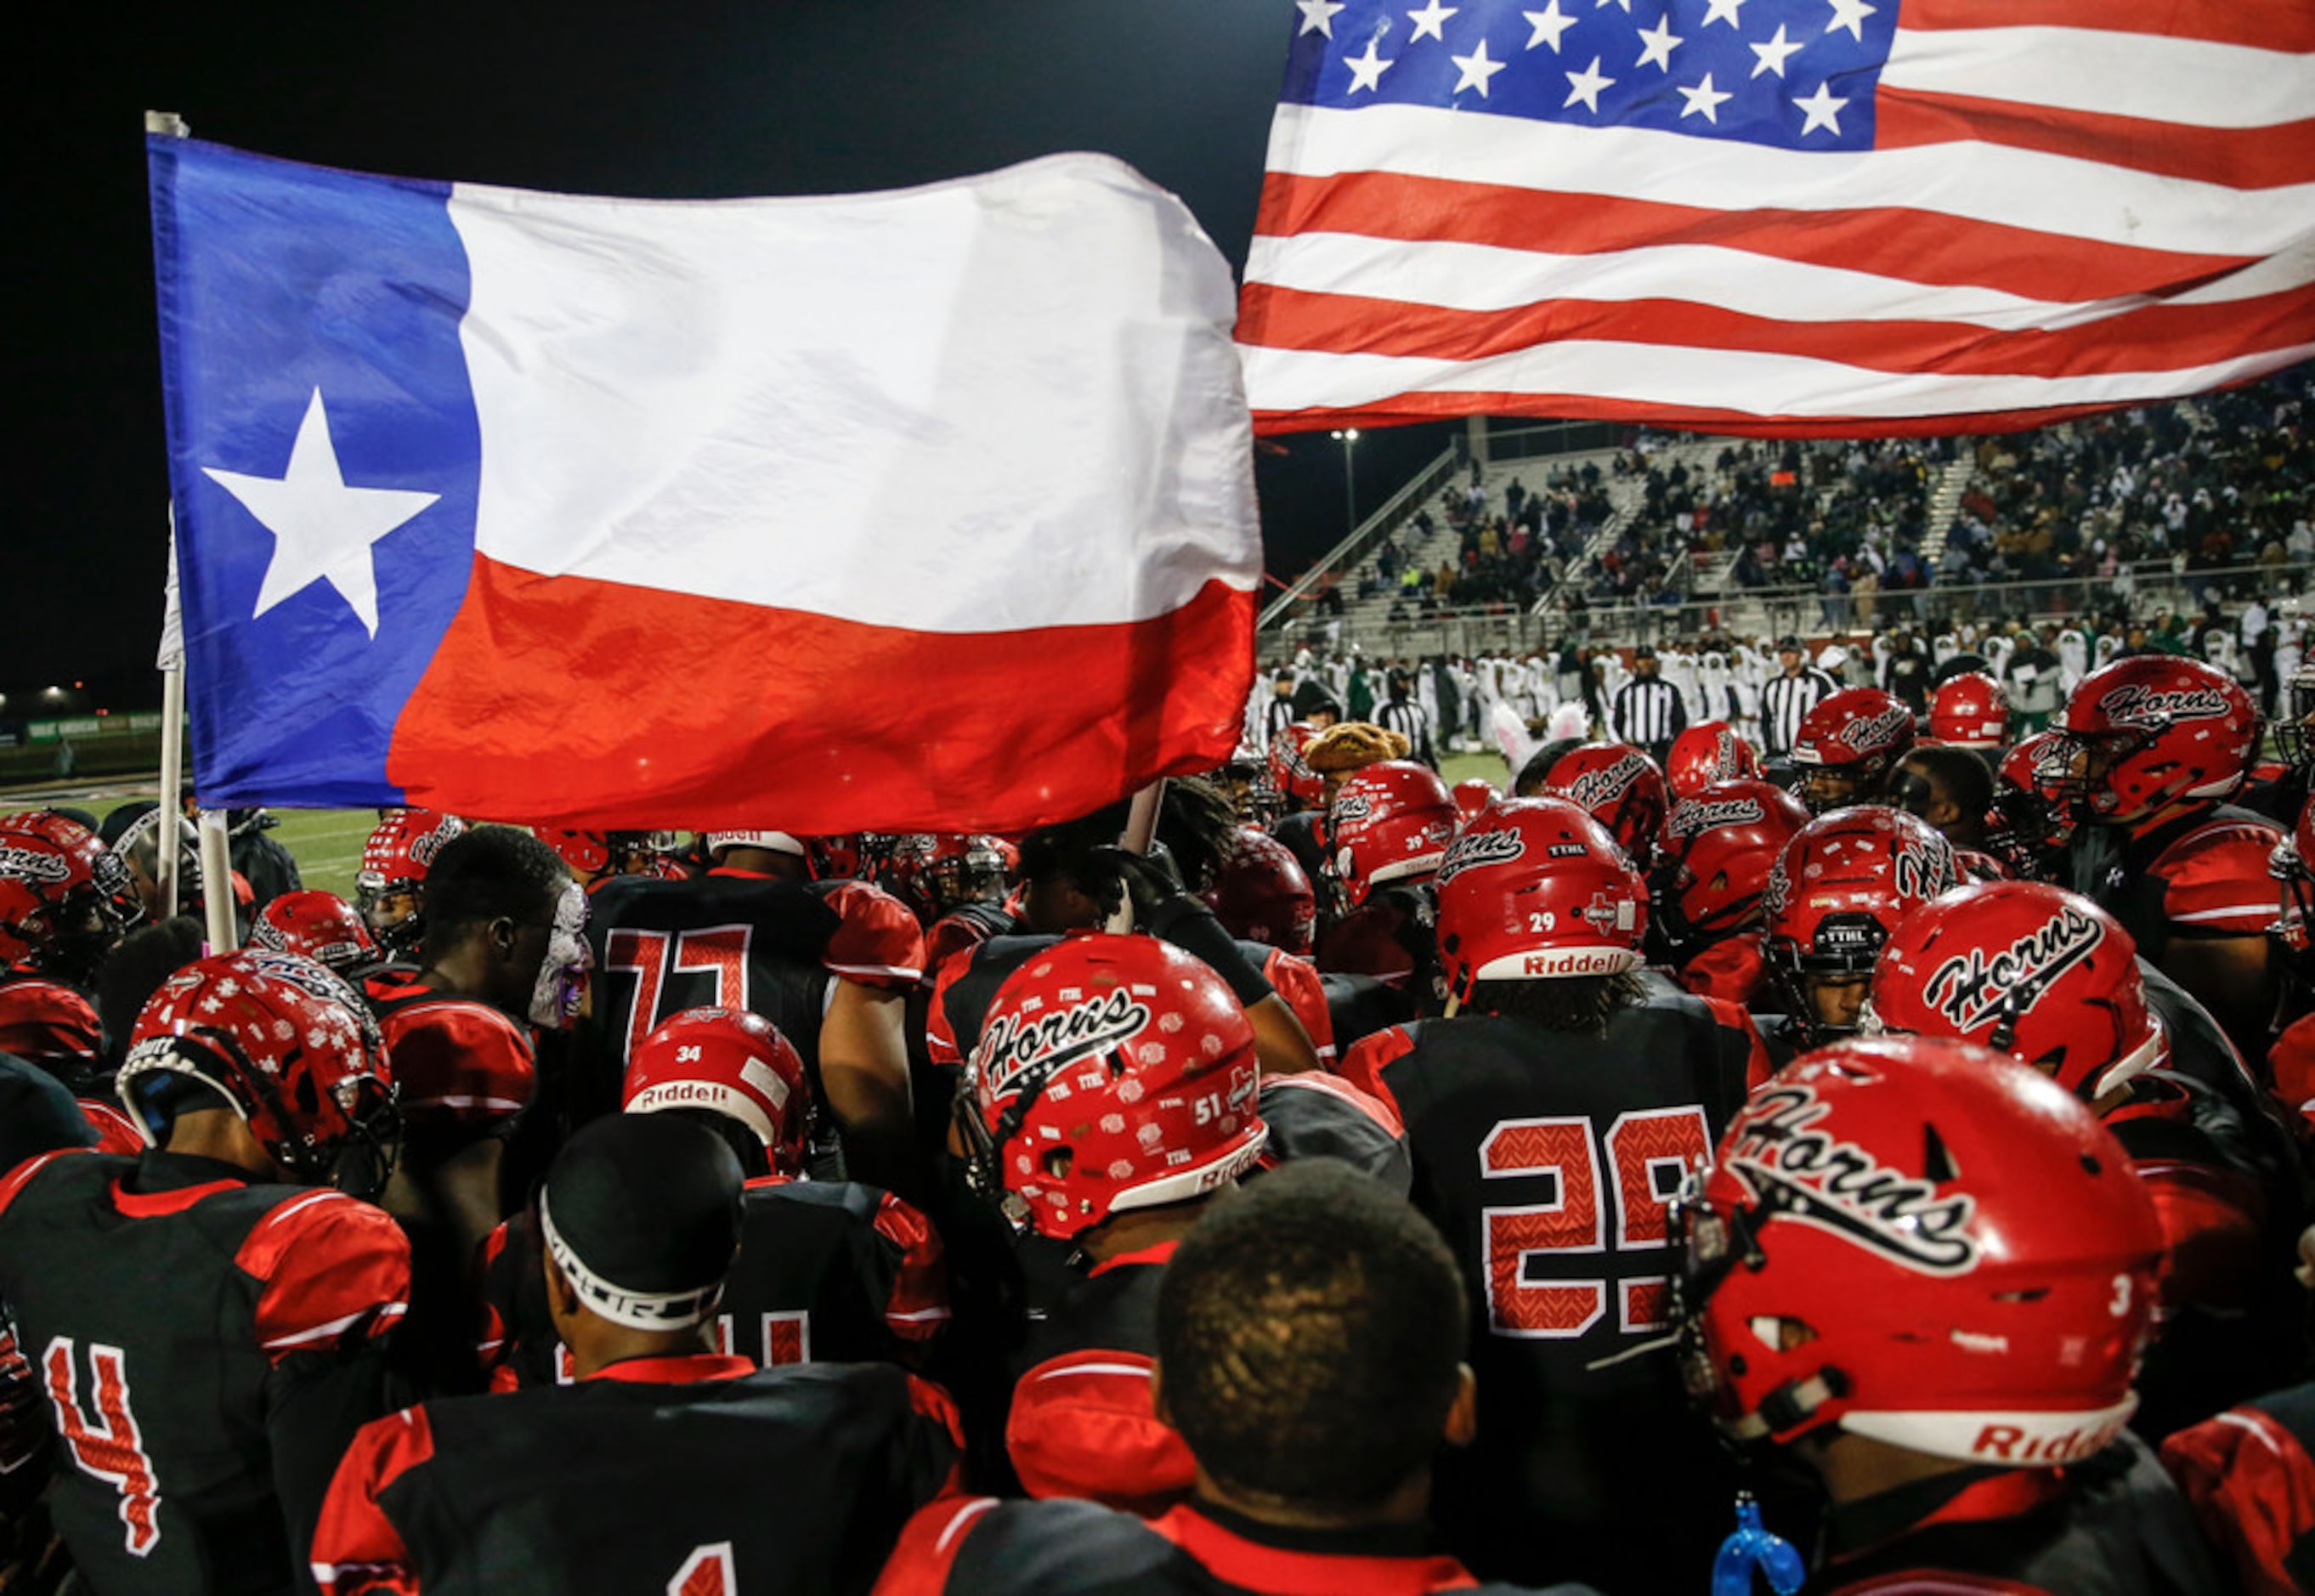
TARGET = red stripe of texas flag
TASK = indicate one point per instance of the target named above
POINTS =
(561, 698)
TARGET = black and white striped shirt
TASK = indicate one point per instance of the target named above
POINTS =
(1648, 712)
(1785, 704)
(1406, 717)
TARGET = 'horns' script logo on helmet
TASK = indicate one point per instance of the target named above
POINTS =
(1922, 870)
(1973, 989)
(1866, 733)
(1694, 819)
(1801, 1172)
(1014, 1041)
(1594, 788)
(35, 864)
(1481, 848)
(2135, 706)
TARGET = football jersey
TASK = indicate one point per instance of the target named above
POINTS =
(198, 1337)
(981, 1546)
(1548, 1161)
(829, 1272)
(2249, 1474)
(1316, 1115)
(46, 1022)
(2204, 875)
(1734, 969)
(699, 1476)
(461, 1067)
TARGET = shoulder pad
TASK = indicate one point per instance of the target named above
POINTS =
(2215, 878)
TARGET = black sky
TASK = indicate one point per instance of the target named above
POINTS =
(774, 97)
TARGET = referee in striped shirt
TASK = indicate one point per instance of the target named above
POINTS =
(1401, 714)
(1786, 700)
(1648, 711)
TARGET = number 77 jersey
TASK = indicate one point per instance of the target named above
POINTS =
(1548, 1160)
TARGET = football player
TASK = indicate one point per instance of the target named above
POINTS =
(828, 1271)
(1387, 827)
(208, 1321)
(65, 900)
(390, 886)
(320, 925)
(1708, 753)
(665, 1465)
(1721, 843)
(1550, 1124)
(1620, 786)
(1848, 745)
(1971, 710)
(1952, 789)
(1882, 1187)
(1309, 1342)
(1840, 887)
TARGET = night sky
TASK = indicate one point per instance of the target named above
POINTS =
(774, 97)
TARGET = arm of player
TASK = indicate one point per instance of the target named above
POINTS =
(357, 1551)
(863, 1070)
(1280, 1045)
(2252, 1484)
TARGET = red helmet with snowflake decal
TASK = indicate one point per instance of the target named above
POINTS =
(2026, 969)
(1924, 1243)
(1536, 889)
(1263, 894)
(730, 1062)
(1112, 1073)
(1389, 822)
(1291, 775)
(1970, 711)
(1621, 788)
(65, 897)
(1720, 844)
(1841, 887)
(1707, 754)
(1846, 745)
(389, 888)
(290, 1045)
(2154, 730)
(320, 925)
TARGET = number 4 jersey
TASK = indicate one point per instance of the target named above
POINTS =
(1548, 1160)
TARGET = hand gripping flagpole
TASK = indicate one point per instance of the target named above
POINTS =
(1141, 827)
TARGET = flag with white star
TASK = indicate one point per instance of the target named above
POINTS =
(1788, 216)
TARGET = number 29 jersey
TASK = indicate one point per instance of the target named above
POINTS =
(1548, 1161)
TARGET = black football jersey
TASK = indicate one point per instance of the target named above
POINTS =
(829, 1272)
(1083, 1424)
(1548, 1160)
(685, 1475)
(198, 1339)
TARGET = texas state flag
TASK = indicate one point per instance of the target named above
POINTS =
(912, 511)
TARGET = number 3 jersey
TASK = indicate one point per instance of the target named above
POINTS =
(1548, 1160)
(198, 1339)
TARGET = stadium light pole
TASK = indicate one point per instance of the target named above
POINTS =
(1349, 436)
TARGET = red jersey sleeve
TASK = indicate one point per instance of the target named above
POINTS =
(879, 942)
(1363, 1066)
(1733, 1016)
(2216, 880)
(1296, 979)
(2291, 1070)
(926, 1550)
(1083, 1425)
(917, 1309)
(1732, 969)
(459, 1064)
(336, 1274)
(940, 1035)
(2252, 1486)
(116, 1132)
(45, 1019)
(356, 1549)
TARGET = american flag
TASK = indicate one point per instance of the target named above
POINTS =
(1782, 216)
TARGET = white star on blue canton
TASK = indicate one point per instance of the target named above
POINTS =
(1822, 110)
(1772, 54)
(1585, 85)
(1432, 20)
(1549, 23)
(1367, 70)
(1704, 100)
(1476, 69)
(1318, 17)
(1657, 44)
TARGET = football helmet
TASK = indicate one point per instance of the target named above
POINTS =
(1112, 1073)
(1621, 788)
(1708, 753)
(2293, 865)
(1846, 745)
(1536, 889)
(1261, 894)
(934, 873)
(320, 925)
(1720, 844)
(1387, 822)
(1841, 887)
(1924, 1243)
(1472, 795)
(2294, 730)
(1970, 711)
(776, 842)
(65, 897)
(2033, 817)
(2026, 969)
(728, 1062)
(2153, 729)
(1290, 776)
(390, 887)
(593, 856)
(290, 1047)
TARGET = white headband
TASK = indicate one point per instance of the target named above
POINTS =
(637, 1310)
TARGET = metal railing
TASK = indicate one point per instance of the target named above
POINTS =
(1398, 509)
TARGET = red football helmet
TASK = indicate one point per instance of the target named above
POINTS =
(1924, 1243)
(1472, 795)
(2293, 865)
(1112, 1073)
(933, 874)
(320, 925)
(1970, 711)
(1389, 822)
(1707, 754)
(290, 1045)
(1720, 844)
(390, 885)
(2033, 817)
(1846, 745)
(1621, 788)
(2152, 729)
(1289, 773)
(2026, 969)
(1534, 890)
(1835, 894)
(65, 897)
(730, 1062)
(1261, 894)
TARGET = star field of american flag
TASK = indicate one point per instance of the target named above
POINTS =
(1789, 74)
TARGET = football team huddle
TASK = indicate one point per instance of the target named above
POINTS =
(1880, 1168)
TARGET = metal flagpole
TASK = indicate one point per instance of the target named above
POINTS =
(1140, 826)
